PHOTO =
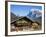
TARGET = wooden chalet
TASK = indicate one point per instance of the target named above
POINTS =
(21, 23)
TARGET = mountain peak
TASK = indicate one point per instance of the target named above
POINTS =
(34, 13)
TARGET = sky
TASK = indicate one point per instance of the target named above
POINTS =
(23, 10)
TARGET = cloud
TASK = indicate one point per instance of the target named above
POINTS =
(34, 9)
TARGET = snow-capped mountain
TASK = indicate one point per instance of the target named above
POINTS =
(35, 15)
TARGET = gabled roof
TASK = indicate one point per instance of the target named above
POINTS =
(23, 17)
(14, 18)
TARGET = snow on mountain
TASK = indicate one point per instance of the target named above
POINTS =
(34, 13)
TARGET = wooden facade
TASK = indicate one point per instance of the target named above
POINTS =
(23, 23)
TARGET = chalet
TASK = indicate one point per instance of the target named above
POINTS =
(22, 23)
